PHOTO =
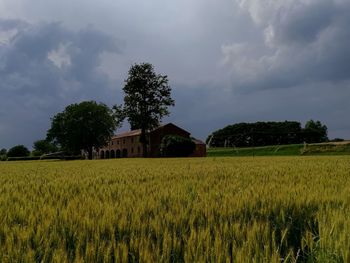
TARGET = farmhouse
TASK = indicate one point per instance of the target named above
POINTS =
(128, 144)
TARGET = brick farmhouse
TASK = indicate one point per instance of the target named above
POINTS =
(128, 144)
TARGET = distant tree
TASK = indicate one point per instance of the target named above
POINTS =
(146, 101)
(315, 132)
(337, 140)
(83, 126)
(43, 147)
(18, 151)
(3, 151)
(257, 134)
(176, 146)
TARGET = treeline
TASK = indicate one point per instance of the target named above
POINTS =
(268, 133)
(20, 152)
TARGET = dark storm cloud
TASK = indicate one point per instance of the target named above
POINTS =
(207, 108)
(8, 24)
(304, 42)
(227, 62)
(302, 23)
(298, 70)
(43, 68)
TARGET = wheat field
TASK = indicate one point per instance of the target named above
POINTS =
(276, 209)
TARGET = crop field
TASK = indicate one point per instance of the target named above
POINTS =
(244, 209)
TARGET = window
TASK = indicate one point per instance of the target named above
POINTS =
(123, 141)
(118, 142)
(112, 142)
(138, 149)
(132, 150)
(132, 140)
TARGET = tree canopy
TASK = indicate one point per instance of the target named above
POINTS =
(18, 151)
(147, 99)
(83, 126)
(315, 132)
(268, 133)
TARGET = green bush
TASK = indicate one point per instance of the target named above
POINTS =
(18, 151)
(176, 146)
(33, 158)
(43, 147)
(23, 158)
(36, 153)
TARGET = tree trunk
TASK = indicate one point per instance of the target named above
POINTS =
(144, 142)
(90, 152)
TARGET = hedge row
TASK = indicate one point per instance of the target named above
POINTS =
(31, 158)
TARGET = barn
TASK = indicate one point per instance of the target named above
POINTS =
(127, 144)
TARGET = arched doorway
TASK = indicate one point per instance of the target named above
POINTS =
(112, 154)
(107, 154)
(118, 154)
(102, 154)
(125, 153)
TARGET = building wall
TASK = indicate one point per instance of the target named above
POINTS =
(130, 146)
(122, 147)
(200, 151)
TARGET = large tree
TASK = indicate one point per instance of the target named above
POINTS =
(315, 132)
(83, 126)
(147, 99)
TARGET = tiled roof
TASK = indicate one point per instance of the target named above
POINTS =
(127, 134)
(170, 124)
(138, 132)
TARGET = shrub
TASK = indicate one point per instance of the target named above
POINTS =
(176, 146)
(18, 151)
(34, 158)
(43, 147)
(36, 153)
(23, 158)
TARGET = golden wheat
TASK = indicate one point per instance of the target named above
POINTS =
(289, 209)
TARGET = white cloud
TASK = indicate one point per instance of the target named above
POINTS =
(60, 56)
(6, 36)
(245, 60)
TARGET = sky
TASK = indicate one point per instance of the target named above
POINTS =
(227, 61)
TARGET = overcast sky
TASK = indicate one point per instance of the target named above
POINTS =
(228, 61)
